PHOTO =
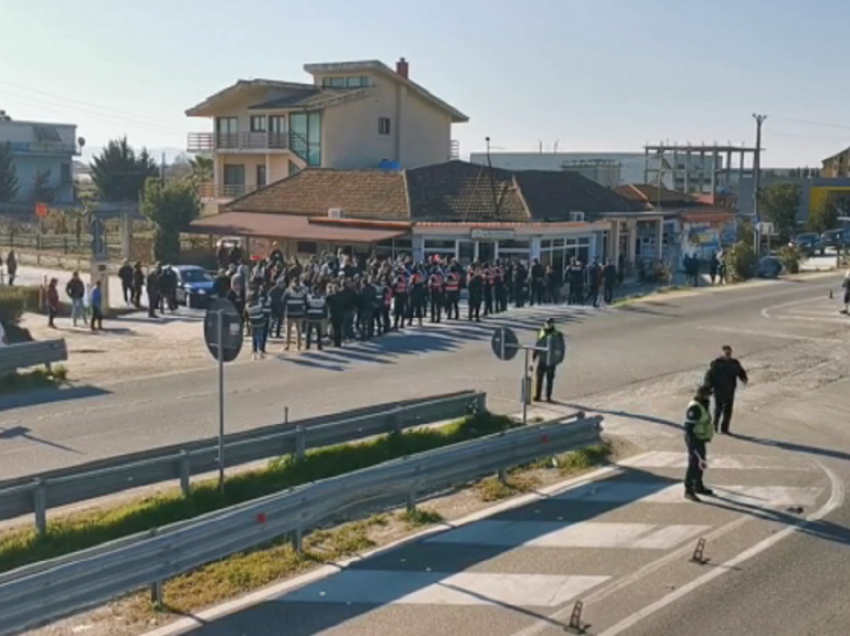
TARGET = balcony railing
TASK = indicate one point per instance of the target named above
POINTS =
(209, 142)
(42, 148)
(210, 190)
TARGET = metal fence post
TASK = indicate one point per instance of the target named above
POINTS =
(185, 482)
(398, 420)
(40, 505)
(502, 475)
(411, 499)
(300, 442)
(156, 586)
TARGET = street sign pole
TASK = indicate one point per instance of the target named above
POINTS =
(526, 391)
(220, 341)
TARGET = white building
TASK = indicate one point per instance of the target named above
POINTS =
(353, 115)
(45, 149)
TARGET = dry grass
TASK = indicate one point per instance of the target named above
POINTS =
(419, 517)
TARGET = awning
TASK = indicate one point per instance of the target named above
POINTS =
(253, 224)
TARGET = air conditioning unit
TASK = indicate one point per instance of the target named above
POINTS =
(335, 213)
(576, 217)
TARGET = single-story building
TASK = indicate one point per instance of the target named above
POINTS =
(454, 209)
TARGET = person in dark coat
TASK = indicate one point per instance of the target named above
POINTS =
(520, 285)
(11, 267)
(593, 283)
(537, 283)
(722, 376)
(476, 293)
(126, 276)
(153, 290)
(138, 283)
(609, 279)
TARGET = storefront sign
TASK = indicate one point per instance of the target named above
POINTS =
(491, 235)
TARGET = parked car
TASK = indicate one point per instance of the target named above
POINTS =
(194, 285)
(833, 238)
(808, 243)
(769, 267)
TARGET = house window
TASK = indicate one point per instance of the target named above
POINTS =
(226, 129)
(261, 176)
(306, 247)
(305, 137)
(357, 82)
(383, 125)
(333, 82)
(258, 123)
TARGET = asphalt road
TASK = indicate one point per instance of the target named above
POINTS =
(608, 350)
(777, 532)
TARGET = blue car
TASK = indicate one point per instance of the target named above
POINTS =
(194, 285)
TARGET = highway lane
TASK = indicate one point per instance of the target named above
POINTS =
(609, 351)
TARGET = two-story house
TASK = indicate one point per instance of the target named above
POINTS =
(354, 115)
(41, 149)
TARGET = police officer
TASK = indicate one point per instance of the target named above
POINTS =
(399, 300)
(417, 297)
(545, 367)
(699, 430)
(476, 293)
(435, 286)
(452, 295)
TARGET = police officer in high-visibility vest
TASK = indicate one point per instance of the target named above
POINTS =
(452, 295)
(435, 287)
(399, 300)
(545, 368)
(699, 430)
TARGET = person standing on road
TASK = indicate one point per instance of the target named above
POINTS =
(259, 313)
(452, 295)
(545, 369)
(295, 306)
(698, 432)
(476, 293)
(76, 291)
(126, 276)
(846, 285)
(152, 283)
(138, 283)
(52, 303)
(722, 377)
(609, 280)
(317, 317)
(97, 307)
(11, 267)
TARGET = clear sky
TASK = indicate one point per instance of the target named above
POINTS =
(591, 74)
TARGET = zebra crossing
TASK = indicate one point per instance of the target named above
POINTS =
(550, 552)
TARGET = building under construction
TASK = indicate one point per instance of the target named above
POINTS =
(699, 169)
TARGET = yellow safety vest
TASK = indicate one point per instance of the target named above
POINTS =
(703, 427)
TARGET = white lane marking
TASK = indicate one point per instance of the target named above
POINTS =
(835, 501)
(766, 312)
(665, 459)
(660, 492)
(585, 534)
(768, 334)
(399, 587)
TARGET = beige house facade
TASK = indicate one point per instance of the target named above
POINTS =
(353, 115)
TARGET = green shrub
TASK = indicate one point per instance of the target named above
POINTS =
(790, 258)
(741, 262)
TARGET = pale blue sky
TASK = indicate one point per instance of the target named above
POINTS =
(593, 74)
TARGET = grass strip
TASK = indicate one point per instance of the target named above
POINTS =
(69, 534)
(42, 378)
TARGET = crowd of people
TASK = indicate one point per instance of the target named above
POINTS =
(345, 298)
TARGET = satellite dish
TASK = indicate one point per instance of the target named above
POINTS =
(81, 141)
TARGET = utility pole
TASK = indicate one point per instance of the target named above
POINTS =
(162, 170)
(757, 182)
(493, 181)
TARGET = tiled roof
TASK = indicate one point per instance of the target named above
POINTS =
(311, 98)
(461, 191)
(551, 196)
(367, 194)
(454, 191)
(648, 193)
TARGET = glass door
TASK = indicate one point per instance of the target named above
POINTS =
(486, 252)
(466, 252)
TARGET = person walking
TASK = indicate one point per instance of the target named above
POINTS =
(126, 276)
(698, 432)
(76, 291)
(722, 377)
(138, 283)
(545, 368)
(11, 267)
(152, 284)
(609, 280)
(52, 303)
(277, 309)
(97, 307)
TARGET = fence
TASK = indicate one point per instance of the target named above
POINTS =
(34, 595)
(36, 493)
(61, 243)
(31, 354)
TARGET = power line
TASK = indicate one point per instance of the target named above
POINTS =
(809, 122)
(77, 101)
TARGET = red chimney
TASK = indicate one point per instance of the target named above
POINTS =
(402, 68)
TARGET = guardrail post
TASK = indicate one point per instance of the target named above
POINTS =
(480, 405)
(185, 482)
(40, 505)
(502, 475)
(398, 420)
(156, 595)
(300, 442)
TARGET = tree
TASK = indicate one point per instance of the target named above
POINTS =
(824, 216)
(120, 174)
(41, 190)
(202, 168)
(8, 174)
(171, 207)
(779, 203)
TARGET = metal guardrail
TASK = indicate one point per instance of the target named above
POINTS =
(31, 354)
(34, 595)
(35, 493)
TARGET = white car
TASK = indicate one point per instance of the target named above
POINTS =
(3, 339)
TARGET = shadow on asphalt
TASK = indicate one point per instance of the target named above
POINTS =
(22, 432)
(305, 617)
(634, 416)
(49, 396)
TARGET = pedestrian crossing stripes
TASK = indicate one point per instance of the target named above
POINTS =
(585, 534)
(661, 459)
(377, 587)
(614, 526)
